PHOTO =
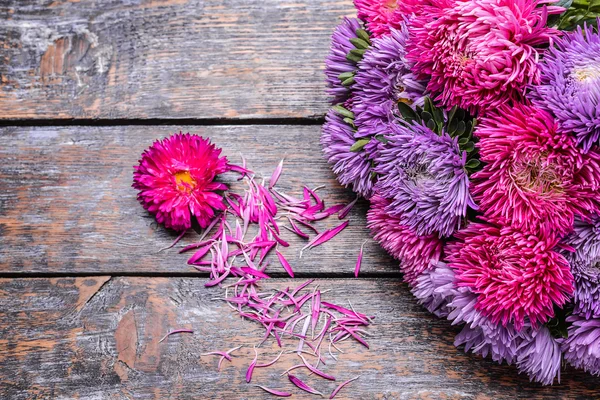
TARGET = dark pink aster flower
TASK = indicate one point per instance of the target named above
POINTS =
(380, 16)
(516, 276)
(175, 178)
(415, 253)
(534, 177)
(480, 54)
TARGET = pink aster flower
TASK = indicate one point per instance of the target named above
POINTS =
(516, 276)
(175, 178)
(380, 16)
(480, 53)
(415, 253)
(533, 176)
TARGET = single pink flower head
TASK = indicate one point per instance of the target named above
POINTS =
(415, 253)
(534, 178)
(380, 16)
(175, 178)
(480, 53)
(516, 276)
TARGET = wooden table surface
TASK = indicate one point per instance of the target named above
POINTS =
(84, 294)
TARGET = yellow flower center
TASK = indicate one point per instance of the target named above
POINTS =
(184, 181)
(587, 74)
(537, 177)
(391, 5)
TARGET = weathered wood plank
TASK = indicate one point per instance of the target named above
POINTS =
(165, 59)
(67, 205)
(96, 338)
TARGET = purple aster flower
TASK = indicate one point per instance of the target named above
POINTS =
(336, 62)
(434, 288)
(534, 351)
(585, 265)
(424, 176)
(539, 355)
(353, 168)
(582, 347)
(570, 85)
(384, 78)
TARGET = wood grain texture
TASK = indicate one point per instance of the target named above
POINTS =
(98, 338)
(165, 59)
(67, 206)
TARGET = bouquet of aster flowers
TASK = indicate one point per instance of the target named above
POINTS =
(473, 128)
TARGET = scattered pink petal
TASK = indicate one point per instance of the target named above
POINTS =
(275, 392)
(276, 175)
(337, 389)
(200, 254)
(255, 272)
(285, 264)
(251, 367)
(270, 363)
(316, 371)
(344, 212)
(296, 381)
(326, 235)
(359, 261)
(175, 242)
(174, 332)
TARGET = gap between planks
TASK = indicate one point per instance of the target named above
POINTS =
(312, 121)
(199, 275)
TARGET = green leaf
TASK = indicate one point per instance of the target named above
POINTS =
(353, 58)
(431, 125)
(473, 164)
(345, 75)
(358, 52)
(438, 115)
(452, 127)
(359, 43)
(473, 127)
(451, 115)
(463, 141)
(461, 128)
(407, 112)
(358, 146)
(350, 122)
(428, 106)
(343, 112)
(349, 82)
(364, 35)
(469, 147)
(382, 139)
(425, 116)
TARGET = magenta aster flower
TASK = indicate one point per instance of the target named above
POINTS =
(336, 62)
(415, 253)
(516, 276)
(570, 87)
(384, 78)
(534, 177)
(480, 54)
(176, 180)
(380, 16)
(584, 258)
(424, 176)
(582, 346)
(353, 168)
